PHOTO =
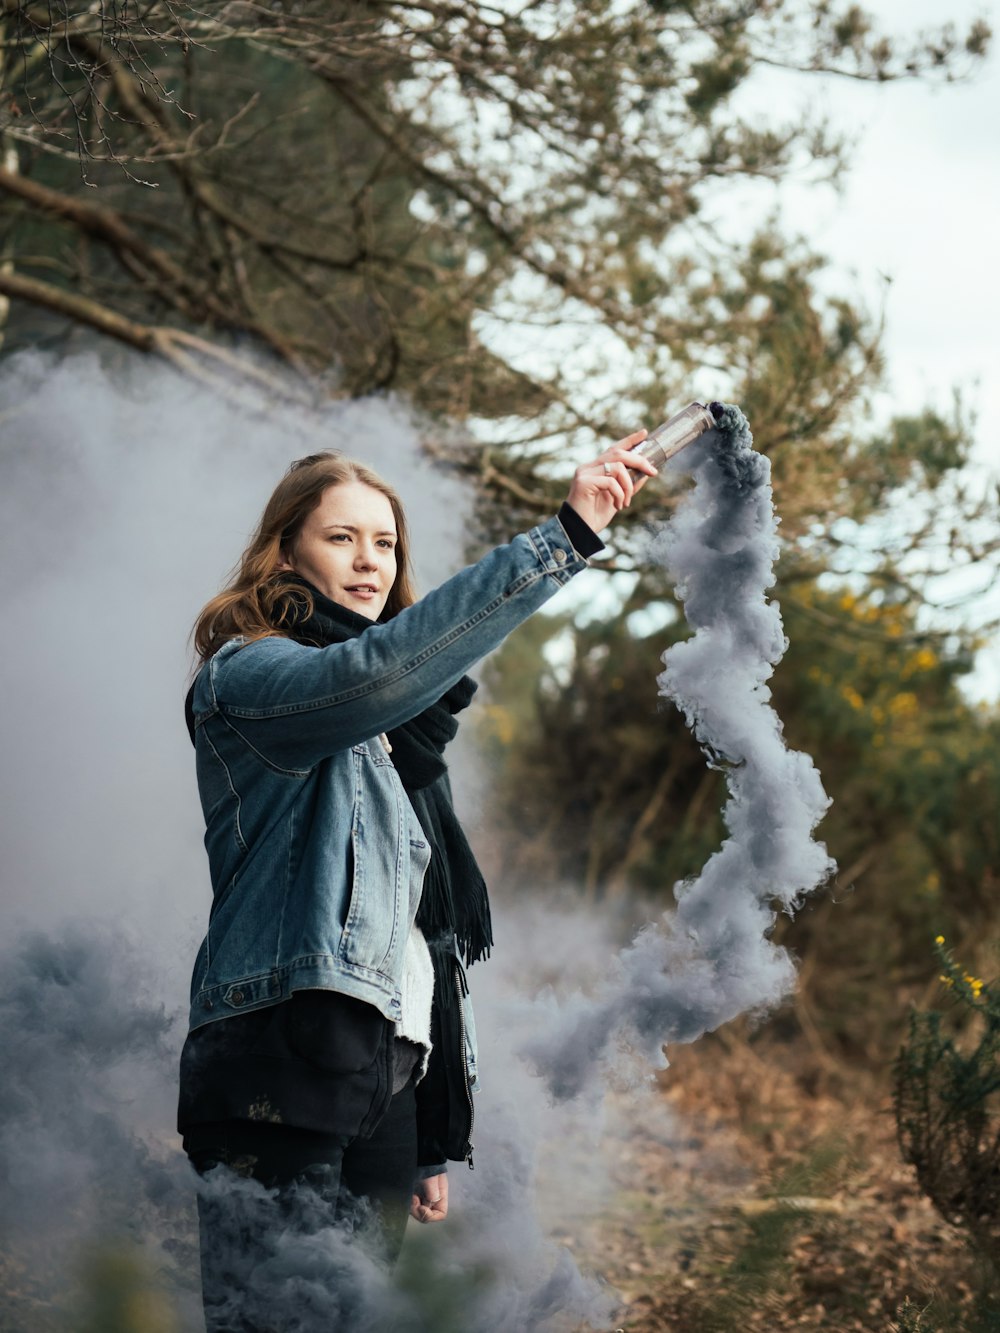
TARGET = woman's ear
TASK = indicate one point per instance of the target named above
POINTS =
(283, 562)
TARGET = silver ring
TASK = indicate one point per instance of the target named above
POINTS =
(607, 469)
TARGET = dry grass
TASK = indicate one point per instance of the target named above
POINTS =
(782, 1204)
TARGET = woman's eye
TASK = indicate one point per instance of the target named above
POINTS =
(387, 544)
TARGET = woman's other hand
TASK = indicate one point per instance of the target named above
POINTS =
(430, 1199)
(601, 488)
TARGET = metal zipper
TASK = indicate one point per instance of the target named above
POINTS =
(465, 1067)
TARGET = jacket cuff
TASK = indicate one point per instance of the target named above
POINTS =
(585, 540)
(425, 1172)
(556, 554)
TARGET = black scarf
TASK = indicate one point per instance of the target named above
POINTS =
(454, 899)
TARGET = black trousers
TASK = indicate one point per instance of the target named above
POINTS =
(302, 1252)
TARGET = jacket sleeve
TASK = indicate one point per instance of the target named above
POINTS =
(296, 705)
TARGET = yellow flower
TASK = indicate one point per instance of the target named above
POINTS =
(925, 660)
(904, 704)
(939, 939)
(852, 696)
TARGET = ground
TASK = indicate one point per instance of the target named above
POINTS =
(776, 1200)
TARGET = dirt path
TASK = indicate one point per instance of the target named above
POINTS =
(767, 1206)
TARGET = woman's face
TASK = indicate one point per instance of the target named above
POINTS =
(347, 548)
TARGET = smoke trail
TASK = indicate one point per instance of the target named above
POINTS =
(711, 958)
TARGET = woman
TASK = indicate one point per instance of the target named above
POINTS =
(331, 1039)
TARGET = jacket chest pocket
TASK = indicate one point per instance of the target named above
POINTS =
(384, 860)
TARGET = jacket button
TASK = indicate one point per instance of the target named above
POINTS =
(559, 556)
(237, 997)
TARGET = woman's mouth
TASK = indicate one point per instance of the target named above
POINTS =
(366, 591)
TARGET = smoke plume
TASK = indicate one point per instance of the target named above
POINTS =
(126, 493)
(711, 959)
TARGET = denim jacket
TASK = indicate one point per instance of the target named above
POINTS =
(316, 856)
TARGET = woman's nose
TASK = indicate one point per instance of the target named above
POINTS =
(364, 557)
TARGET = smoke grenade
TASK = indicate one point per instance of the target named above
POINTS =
(711, 958)
(682, 429)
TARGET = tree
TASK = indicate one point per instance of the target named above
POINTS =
(351, 185)
(506, 211)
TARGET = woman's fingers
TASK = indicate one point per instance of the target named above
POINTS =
(631, 473)
(606, 486)
(430, 1200)
(617, 472)
(630, 441)
(611, 485)
(624, 453)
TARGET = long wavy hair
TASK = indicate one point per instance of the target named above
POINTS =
(258, 602)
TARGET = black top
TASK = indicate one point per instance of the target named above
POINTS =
(319, 1060)
(585, 540)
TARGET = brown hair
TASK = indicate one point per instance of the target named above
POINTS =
(257, 603)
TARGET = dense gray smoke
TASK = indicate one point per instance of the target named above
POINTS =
(86, 1159)
(89, 1165)
(711, 958)
(125, 496)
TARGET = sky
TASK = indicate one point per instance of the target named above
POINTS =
(920, 205)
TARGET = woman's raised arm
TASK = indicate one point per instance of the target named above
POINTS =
(296, 704)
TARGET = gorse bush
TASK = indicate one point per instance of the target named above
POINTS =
(947, 1102)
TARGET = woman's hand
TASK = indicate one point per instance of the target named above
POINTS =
(430, 1199)
(607, 484)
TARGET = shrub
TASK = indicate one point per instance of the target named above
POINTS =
(947, 1103)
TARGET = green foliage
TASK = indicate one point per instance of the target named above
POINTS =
(910, 1319)
(121, 1295)
(914, 772)
(928, 441)
(940, 1316)
(947, 1101)
(591, 772)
